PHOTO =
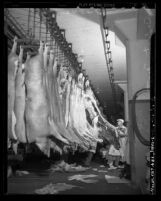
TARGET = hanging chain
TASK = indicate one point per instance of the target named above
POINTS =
(40, 24)
(58, 54)
(28, 29)
(56, 49)
(50, 40)
(46, 28)
(108, 55)
(34, 23)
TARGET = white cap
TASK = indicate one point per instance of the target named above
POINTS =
(121, 120)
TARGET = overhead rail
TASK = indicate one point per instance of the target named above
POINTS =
(108, 56)
(40, 25)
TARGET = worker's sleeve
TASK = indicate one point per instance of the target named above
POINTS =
(123, 133)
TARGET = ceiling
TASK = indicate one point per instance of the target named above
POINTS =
(83, 31)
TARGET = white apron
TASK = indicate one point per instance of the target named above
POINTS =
(113, 151)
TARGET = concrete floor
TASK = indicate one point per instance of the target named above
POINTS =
(39, 177)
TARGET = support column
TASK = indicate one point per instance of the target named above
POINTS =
(123, 86)
(138, 61)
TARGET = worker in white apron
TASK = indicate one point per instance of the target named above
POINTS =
(121, 132)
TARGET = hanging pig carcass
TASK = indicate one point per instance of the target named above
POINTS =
(37, 111)
(20, 98)
(12, 68)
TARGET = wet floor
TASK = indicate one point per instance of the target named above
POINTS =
(38, 177)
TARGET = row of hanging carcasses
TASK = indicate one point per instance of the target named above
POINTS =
(52, 106)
